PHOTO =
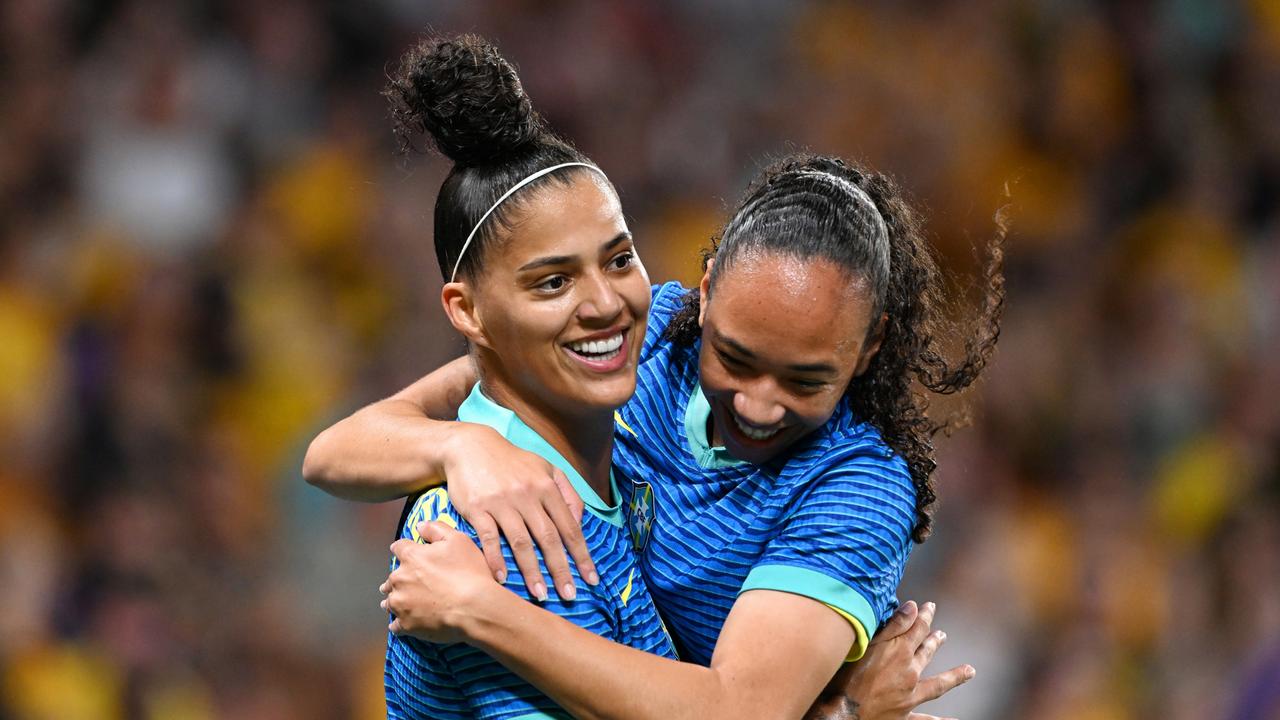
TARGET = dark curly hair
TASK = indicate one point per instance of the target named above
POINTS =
(807, 206)
(467, 101)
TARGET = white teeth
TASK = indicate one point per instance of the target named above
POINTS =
(753, 433)
(608, 348)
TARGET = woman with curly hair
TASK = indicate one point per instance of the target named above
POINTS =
(776, 464)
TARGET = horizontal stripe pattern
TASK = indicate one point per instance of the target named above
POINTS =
(842, 504)
(427, 680)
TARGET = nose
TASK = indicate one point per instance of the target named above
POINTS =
(600, 304)
(757, 404)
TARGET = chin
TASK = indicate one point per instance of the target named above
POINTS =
(607, 395)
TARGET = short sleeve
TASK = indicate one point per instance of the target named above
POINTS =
(433, 680)
(845, 543)
(666, 301)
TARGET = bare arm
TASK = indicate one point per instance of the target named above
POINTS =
(408, 442)
(395, 446)
(775, 654)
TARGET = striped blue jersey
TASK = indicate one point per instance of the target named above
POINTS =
(831, 521)
(428, 680)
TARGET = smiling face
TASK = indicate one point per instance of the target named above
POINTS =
(781, 340)
(558, 309)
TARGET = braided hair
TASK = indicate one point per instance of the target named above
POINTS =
(809, 206)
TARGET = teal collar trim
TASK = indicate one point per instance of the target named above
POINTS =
(696, 414)
(479, 409)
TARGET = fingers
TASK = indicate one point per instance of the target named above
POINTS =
(924, 653)
(568, 523)
(401, 548)
(922, 716)
(898, 624)
(517, 534)
(920, 629)
(932, 688)
(570, 496)
(547, 537)
(490, 545)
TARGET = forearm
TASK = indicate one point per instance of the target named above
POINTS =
(384, 451)
(596, 678)
(395, 446)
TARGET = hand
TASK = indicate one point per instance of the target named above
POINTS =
(886, 683)
(497, 486)
(436, 585)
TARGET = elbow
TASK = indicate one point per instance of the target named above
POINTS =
(314, 468)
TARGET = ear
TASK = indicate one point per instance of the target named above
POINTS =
(872, 345)
(458, 299)
(704, 291)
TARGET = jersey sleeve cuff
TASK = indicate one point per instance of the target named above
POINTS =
(846, 601)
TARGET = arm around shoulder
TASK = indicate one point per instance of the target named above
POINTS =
(392, 447)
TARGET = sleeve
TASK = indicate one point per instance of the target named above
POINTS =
(845, 543)
(482, 686)
(665, 301)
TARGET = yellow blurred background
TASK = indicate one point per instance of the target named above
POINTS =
(210, 251)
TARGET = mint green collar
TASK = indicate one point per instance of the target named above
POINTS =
(695, 431)
(479, 409)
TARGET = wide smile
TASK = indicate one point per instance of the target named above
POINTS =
(601, 353)
(749, 435)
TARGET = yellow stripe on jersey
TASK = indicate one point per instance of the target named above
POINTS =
(860, 641)
(626, 591)
(430, 506)
(617, 417)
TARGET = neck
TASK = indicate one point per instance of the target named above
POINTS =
(585, 439)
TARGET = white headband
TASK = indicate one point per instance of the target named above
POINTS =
(858, 193)
(461, 253)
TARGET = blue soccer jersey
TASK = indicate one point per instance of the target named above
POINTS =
(428, 680)
(831, 522)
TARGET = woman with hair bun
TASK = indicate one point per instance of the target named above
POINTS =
(775, 460)
(543, 281)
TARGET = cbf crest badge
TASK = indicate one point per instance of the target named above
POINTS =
(641, 515)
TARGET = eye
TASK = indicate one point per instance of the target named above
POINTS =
(729, 360)
(552, 284)
(810, 386)
(622, 260)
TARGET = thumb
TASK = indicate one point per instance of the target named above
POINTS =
(900, 622)
(433, 532)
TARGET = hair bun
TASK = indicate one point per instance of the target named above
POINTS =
(465, 97)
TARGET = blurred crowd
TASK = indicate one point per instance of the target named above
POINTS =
(210, 251)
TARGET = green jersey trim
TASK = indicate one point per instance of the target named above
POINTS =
(841, 598)
(479, 409)
(696, 415)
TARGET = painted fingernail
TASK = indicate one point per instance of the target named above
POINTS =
(969, 672)
(540, 592)
(930, 606)
(593, 577)
(568, 591)
(502, 576)
(941, 636)
(908, 607)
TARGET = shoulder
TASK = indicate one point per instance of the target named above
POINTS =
(852, 465)
(430, 505)
(667, 300)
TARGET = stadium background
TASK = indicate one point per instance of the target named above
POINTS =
(210, 251)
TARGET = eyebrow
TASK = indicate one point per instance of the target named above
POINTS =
(741, 349)
(566, 259)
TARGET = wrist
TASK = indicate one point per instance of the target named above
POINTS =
(458, 439)
(487, 615)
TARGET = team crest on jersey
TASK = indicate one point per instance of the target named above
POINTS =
(642, 513)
